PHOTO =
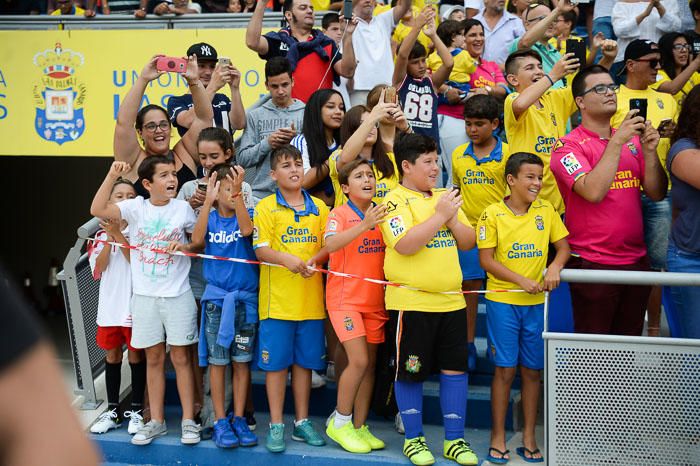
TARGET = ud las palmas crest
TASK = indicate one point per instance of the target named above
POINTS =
(60, 97)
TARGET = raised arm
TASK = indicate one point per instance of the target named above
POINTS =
(245, 223)
(407, 44)
(346, 66)
(353, 146)
(373, 217)
(537, 32)
(674, 86)
(402, 6)
(203, 111)
(126, 144)
(237, 113)
(566, 65)
(219, 77)
(254, 39)
(418, 236)
(443, 73)
(101, 207)
(655, 182)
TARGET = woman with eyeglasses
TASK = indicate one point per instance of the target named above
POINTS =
(633, 19)
(679, 71)
(152, 127)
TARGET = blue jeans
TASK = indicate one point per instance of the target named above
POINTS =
(657, 227)
(686, 299)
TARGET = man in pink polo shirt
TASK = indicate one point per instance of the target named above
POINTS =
(600, 172)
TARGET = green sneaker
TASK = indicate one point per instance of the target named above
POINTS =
(305, 432)
(275, 438)
(460, 452)
(417, 451)
(367, 436)
(348, 438)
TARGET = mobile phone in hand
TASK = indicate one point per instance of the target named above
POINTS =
(663, 126)
(347, 9)
(171, 64)
(641, 105)
(578, 48)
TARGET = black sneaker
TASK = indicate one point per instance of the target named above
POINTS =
(250, 420)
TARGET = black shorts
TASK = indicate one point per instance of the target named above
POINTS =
(428, 342)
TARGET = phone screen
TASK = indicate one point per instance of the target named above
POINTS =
(578, 48)
(641, 105)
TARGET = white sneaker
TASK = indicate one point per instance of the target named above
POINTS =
(135, 421)
(398, 424)
(190, 432)
(316, 380)
(107, 421)
(329, 419)
(148, 432)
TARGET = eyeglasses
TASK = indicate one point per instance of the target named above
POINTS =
(653, 62)
(681, 47)
(151, 127)
(602, 89)
(535, 20)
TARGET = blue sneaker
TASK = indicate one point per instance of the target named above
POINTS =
(245, 436)
(305, 432)
(275, 438)
(471, 358)
(223, 435)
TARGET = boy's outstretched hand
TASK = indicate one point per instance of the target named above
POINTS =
(118, 169)
(374, 216)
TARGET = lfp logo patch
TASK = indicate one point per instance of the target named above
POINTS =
(570, 163)
(396, 225)
(60, 97)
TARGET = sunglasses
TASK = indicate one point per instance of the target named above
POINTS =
(653, 62)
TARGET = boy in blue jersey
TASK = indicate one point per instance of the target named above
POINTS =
(230, 300)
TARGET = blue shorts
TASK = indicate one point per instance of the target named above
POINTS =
(287, 342)
(241, 349)
(515, 334)
(469, 262)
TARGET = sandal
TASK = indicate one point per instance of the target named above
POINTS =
(497, 460)
(521, 451)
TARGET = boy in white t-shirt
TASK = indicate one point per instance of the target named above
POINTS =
(162, 303)
(110, 265)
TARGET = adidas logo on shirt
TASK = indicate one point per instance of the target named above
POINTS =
(224, 237)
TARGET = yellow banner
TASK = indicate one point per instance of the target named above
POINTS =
(60, 90)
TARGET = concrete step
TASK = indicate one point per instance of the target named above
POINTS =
(168, 450)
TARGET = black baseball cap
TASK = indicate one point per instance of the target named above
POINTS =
(203, 51)
(636, 50)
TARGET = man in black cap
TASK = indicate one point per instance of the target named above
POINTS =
(642, 63)
(228, 114)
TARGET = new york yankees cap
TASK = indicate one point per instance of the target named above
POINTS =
(203, 51)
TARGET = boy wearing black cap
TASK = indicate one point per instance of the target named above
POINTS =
(228, 113)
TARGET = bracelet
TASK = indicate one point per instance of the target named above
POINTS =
(190, 84)
(551, 83)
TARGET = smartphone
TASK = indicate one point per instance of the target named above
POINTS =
(202, 185)
(224, 61)
(347, 9)
(390, 95)
(578, 48)
(663, 126)
(641, 105)
(171, 64)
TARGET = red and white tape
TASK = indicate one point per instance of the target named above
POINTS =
(328, 272)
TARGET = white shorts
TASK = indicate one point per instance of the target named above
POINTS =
(154, 319)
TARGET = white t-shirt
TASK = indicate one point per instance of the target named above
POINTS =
(154, 274)
(115, 283)
(372, 45)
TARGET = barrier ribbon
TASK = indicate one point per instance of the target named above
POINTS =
(327, 272)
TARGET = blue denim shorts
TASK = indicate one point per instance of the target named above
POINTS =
(243, 345)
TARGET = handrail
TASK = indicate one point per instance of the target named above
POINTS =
(627, 277)
(271, 19)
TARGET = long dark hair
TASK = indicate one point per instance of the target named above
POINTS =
(138, 124)
(668, 62)
(352, 121)
(689, 117)
(313, 128)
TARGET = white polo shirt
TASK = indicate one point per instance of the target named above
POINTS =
(500, 38)
(372, 44)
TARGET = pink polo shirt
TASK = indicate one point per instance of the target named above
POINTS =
(612, 231)
(487, 73)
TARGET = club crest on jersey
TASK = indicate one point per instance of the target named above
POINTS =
(539, 222)
(349, 326)
(396, 225)
(660, 103)
(554, 118)
(413, 364)
(59, 97)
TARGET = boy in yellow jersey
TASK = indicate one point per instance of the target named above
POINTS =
(288, 231)
(478, 172)
(535, 116)
(513, 237)
(422, 230)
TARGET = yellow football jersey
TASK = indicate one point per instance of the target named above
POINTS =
(384, 185)
(480, 182)
(435, 267)
(687, 87)
(521, 244)
(537, 130)
(285, 295)
(464, 66)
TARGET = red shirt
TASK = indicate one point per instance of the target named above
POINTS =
(612, 231)
(364, 256)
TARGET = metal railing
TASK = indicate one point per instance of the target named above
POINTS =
(81, 294)
(622, 400)
(271, 19)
